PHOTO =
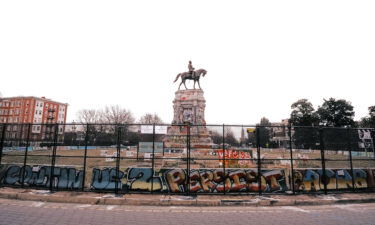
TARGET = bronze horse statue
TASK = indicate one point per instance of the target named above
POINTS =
(187, 76)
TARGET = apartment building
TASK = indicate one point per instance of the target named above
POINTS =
(279, 133)
(41, 113)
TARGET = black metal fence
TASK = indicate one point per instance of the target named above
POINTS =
(188, 159)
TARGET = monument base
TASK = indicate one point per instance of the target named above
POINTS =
(177, 137)
(189, 106)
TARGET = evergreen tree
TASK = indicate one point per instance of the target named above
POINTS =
(336, 113)
(302, 118)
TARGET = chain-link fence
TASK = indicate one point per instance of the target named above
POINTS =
(187, 159)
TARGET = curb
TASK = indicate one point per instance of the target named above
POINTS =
(173, 200)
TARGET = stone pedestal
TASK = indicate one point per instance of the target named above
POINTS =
(189, 107)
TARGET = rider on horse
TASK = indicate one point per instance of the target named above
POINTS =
(190, 75)
(191, 70)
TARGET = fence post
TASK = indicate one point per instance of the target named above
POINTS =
(259, 162)
(350, 158)
(153, 158)
(2, 141)
(51, 177)
(291, 156)
(85, 157)
(224, 160)
(324, 177)
(118, 158)
(188, 159)
(20, 135)
(163, 148)
(124, 139)
(137, 151)
(25, 156)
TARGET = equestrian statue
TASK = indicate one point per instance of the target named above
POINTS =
(191, 75)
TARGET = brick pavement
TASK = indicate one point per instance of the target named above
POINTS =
(31, 213)
(179, 200)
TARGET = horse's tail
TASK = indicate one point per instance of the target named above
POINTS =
(177, 77)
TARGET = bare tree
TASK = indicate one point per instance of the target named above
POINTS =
(102, 128)
(88, 116)
(116, 114)
(111, 114)
(149, 118)
(217, 137)
(229, 137)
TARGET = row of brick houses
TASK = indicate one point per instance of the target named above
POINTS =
(41, 113)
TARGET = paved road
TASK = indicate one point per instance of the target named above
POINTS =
(29, 212)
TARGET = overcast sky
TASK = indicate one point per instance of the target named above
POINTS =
(261, 56)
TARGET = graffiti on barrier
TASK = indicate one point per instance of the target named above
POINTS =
(198, 180)
(106, 179)
(313, 180)
(176, 180)
(39, 176)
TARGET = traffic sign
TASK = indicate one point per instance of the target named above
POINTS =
(250, 130)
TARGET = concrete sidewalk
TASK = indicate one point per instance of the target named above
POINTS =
(181, 200)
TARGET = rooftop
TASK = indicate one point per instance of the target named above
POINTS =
(37, 98)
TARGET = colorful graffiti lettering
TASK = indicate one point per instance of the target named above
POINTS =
(63, 177)
(311, 180)
(198, 180)
(176, 180)
(106, 179)
(143, 179)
